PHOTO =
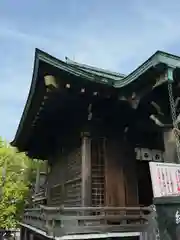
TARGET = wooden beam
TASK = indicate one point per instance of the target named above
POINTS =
(86, 169)
(50, 81)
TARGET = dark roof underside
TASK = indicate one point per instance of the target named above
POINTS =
(92, 78)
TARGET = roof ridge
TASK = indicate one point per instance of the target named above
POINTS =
(89, 67)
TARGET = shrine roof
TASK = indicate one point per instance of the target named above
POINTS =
(92, 76)
(157, 58)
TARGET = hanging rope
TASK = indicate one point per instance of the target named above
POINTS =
(176, 130)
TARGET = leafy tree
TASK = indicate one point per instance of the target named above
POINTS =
(17, 172)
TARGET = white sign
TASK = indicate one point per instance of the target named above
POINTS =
(165, 179)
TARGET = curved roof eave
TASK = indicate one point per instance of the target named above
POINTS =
(46, 58)
(29, 99)
(158, 57)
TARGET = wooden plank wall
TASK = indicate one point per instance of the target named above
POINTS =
(64, 179)
(121, 178)
(114, 179)
(115, 187)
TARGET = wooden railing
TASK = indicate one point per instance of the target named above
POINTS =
(59, 221)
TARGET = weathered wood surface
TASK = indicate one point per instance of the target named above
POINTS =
(121, 178)
(86, 170)
(64, 179)
(60, 221)
(98, 172)
(115, 188)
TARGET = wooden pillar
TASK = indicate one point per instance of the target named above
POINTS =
(22, 233)
(47, 172)
(37, 185)
(170, 154)
(25, 234)
(86, 169)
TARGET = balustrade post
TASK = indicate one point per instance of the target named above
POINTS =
(25, 234)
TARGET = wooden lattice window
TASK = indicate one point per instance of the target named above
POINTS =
(98, 172)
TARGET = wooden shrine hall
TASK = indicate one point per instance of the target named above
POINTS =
(98, 130)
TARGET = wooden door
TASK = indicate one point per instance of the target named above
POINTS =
(114, 181)
(121, 178)
(115, 187)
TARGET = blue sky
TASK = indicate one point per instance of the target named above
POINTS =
(113, 34)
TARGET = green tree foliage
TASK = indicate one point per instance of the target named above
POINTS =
(17, 172)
